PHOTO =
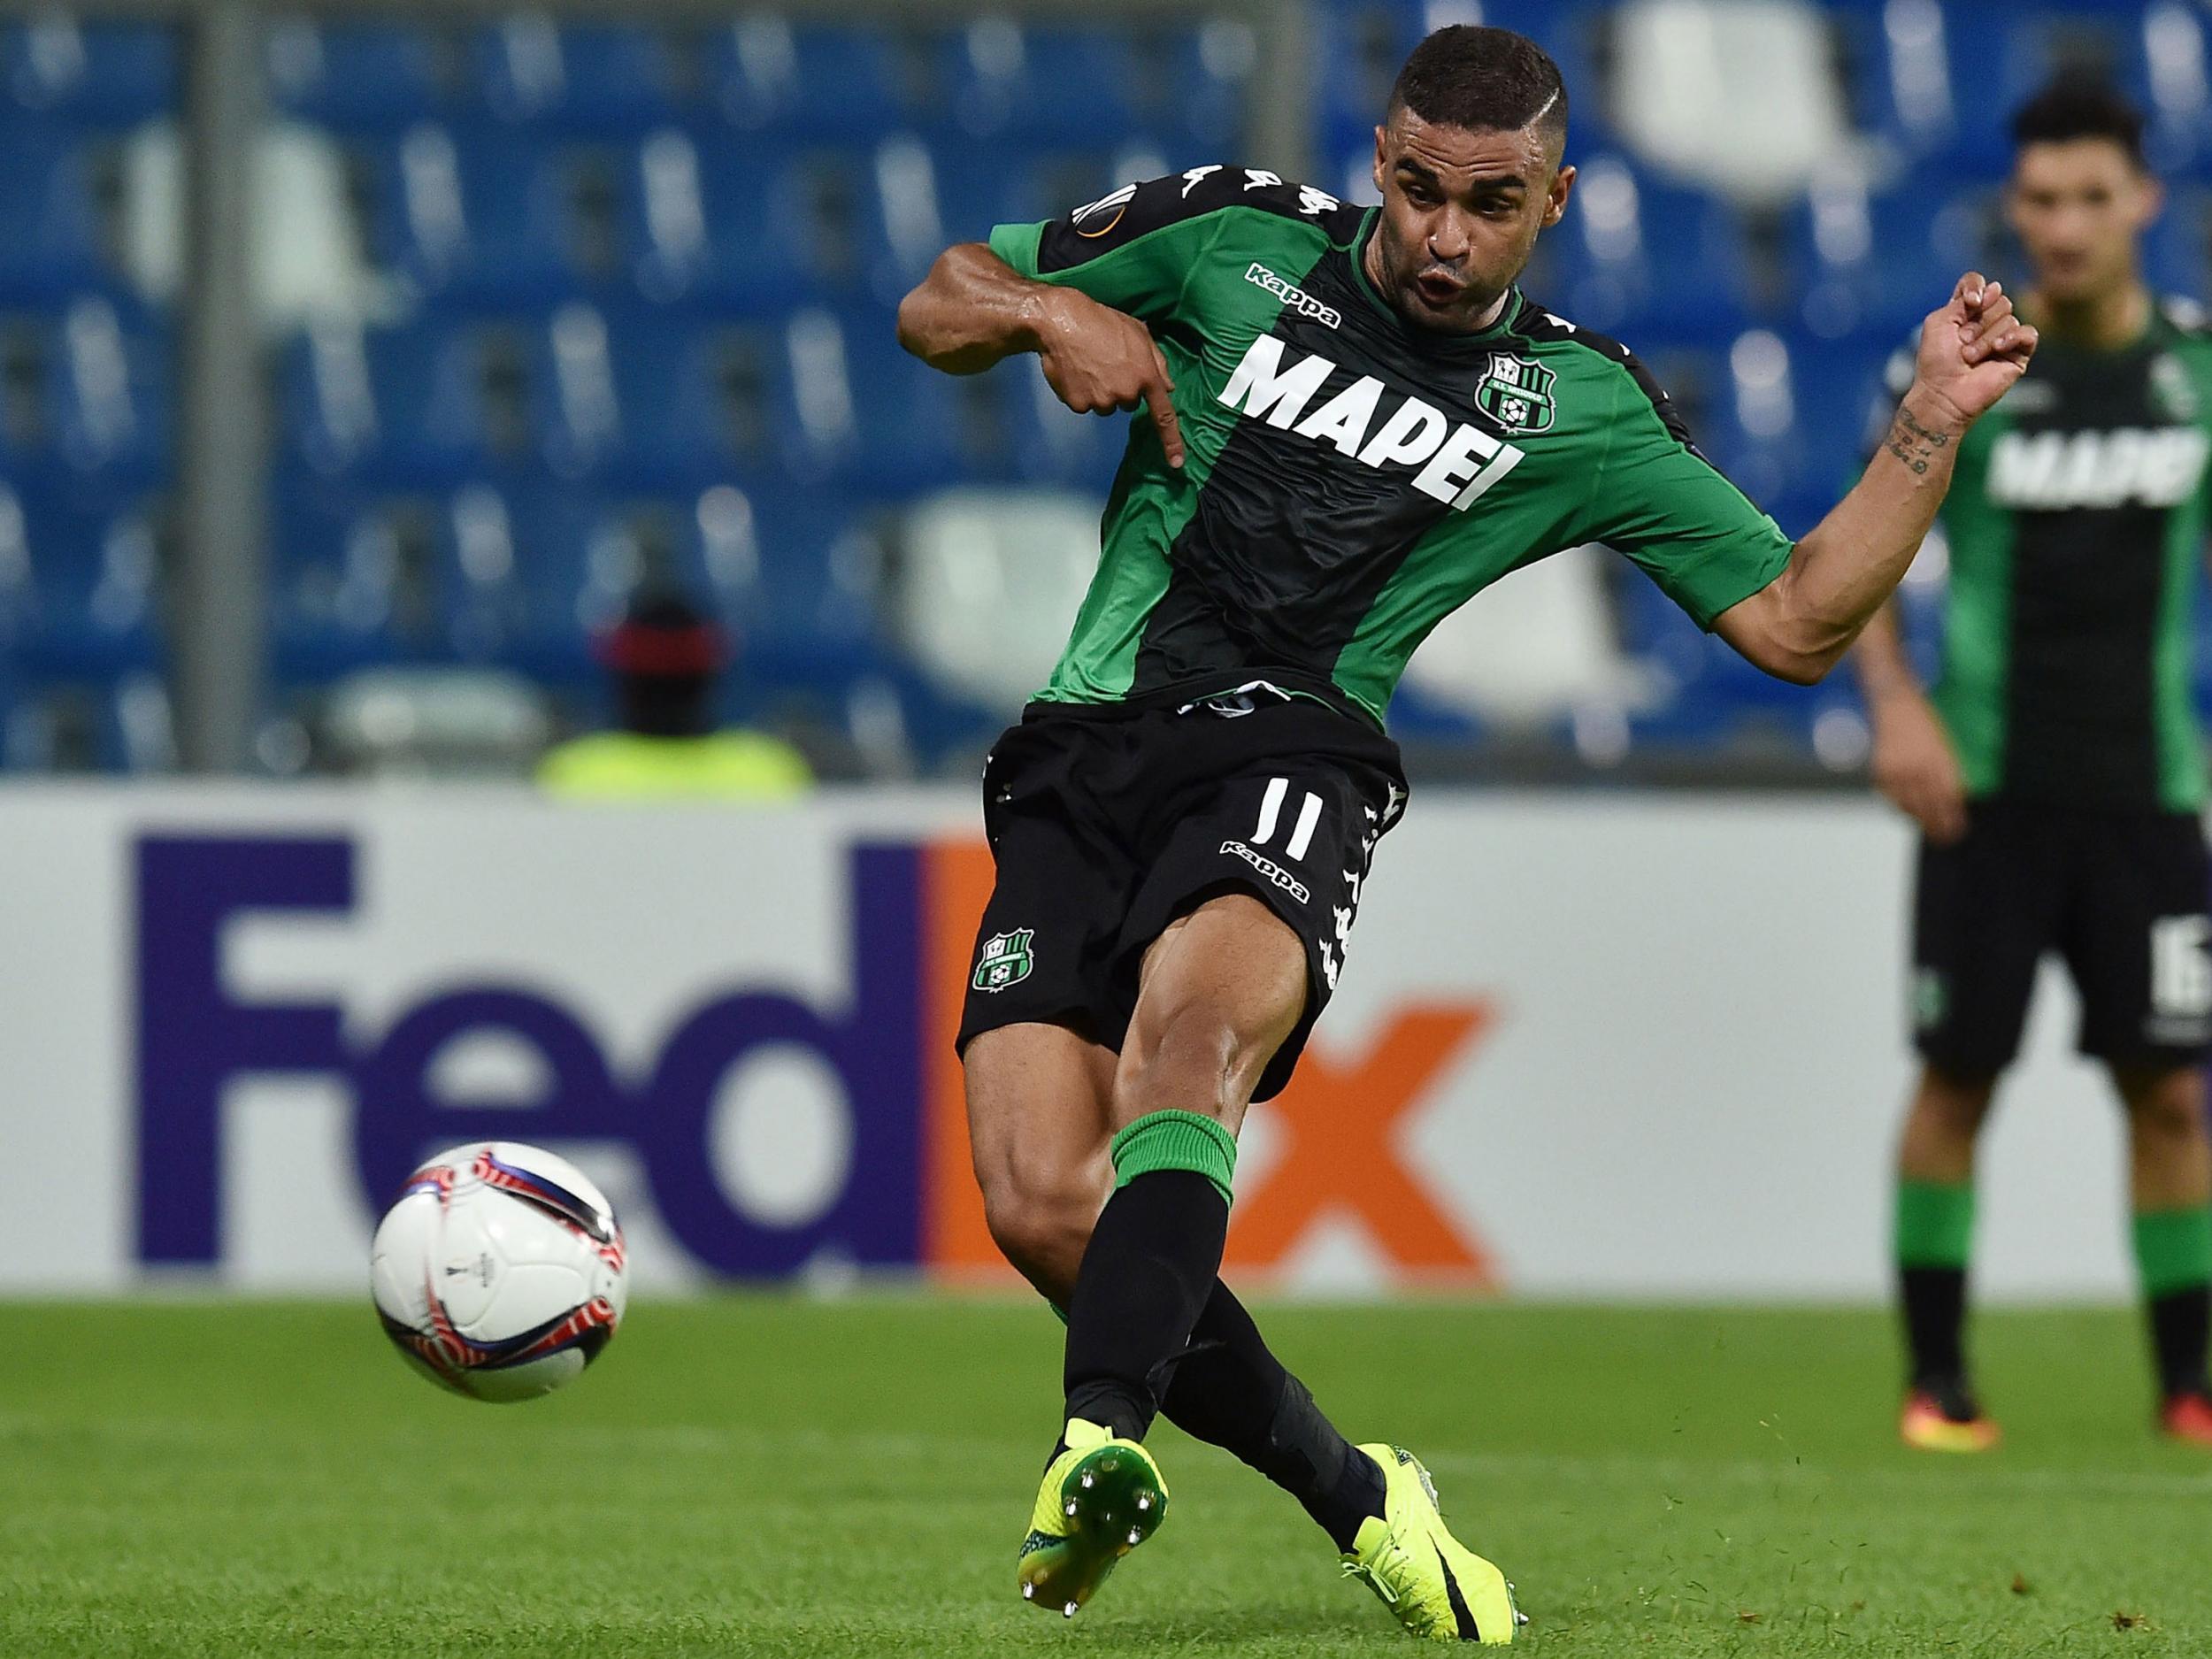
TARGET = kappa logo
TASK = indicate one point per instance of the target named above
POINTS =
(1006, 960)
(1293, 297)
(1458, 464)
(2054, 470)
(1516, 394)
(1269, 868)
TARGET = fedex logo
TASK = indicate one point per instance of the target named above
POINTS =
(907, 1197)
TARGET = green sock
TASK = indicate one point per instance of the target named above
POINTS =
(1935, 1223)
(2173, 1249)
(1176, 1141)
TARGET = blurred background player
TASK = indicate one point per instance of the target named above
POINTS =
(2056, 769)
(664, 660)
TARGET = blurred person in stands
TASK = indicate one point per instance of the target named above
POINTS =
(664, 659)
(1353, 422)
(2057, 769)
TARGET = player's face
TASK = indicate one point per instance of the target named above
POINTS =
(2078, 208)
(1460, 214)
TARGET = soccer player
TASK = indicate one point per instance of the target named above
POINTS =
(2057, 772)
(1354, 421)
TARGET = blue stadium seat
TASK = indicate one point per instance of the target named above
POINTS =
(2177, 253)
(917, 198)
(407, 408)
(18, 592)
(579, 80)
(1360, 48)
(349, 583)
(772, 75)
(1633, 253)
(49, 221)
(1945, 81)
(1052, 443)
(1841, 407)
(2111, 43)
(106, 73)
(1882, 261)
(95, 575)
(109, 391)
(476, 217)
(820, 583)
(356, 77)
(506, 559)
(979, 186)
(1899, 73)
(1045, 85)
(864, 413)
(751, 226)
(644, 402)
(1207, 88)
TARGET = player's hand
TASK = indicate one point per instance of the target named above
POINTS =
(1973, 349)
(1914, 767)
(1098, 360)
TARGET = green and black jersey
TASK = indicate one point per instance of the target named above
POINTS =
(2074, 525)
(1352, 479)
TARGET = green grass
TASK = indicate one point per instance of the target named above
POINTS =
(764, 1477)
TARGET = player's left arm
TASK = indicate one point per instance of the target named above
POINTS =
(1800, 625)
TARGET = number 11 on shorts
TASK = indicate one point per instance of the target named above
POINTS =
(1272, 813)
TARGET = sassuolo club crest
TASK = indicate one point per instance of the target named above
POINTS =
(1005, 960)
(1515, 392)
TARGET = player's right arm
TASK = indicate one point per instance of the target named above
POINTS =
(1915, 765)
(1080, 291)
(973, 309)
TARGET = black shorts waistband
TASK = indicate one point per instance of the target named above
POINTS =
(1293, 686)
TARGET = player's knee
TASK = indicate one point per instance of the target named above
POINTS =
(1954, 1103)
(1040, 1221)
(2167, 1108)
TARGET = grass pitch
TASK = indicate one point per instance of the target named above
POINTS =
(764, 1477)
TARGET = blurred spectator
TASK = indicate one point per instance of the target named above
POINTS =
(665, 658)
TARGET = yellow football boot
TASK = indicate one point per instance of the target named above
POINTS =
(1435, 1585)
(1101, 1498)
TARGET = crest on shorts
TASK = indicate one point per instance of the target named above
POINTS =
(1515, 392)
(1006, 960)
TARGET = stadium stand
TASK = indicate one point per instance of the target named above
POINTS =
(589, 303)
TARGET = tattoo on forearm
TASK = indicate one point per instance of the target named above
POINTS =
(1913, 443)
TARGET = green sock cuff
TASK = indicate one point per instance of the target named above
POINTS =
(2173, 1249)
(1176, 1141)
(1935, 1224)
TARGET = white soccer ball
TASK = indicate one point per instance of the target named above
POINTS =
(499, 1273)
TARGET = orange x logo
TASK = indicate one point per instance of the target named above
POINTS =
(1344, 1121)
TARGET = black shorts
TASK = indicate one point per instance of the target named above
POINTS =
(1108, 823)
(2121, 896)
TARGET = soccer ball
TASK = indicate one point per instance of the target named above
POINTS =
(499, 1273)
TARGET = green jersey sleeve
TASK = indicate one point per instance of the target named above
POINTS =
(1662, 504)
(1137, 249)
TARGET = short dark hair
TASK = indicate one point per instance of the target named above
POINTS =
(2076, 108)
(1486, 80)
